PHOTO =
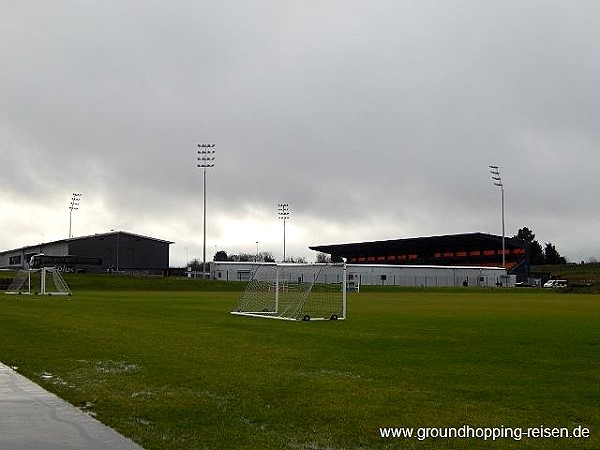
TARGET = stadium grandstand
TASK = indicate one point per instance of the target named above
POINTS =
(469, 249)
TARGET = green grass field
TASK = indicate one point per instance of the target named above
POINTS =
(170, 368)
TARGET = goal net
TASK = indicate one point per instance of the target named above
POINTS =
(295, 292)
(44, 281)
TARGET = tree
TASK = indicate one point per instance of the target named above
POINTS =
(266, 257)
(536, 254)
(551, 255)
(195, 265)
(323, 258)
(221, 255)
(296, 259)
(525, 234)
(242, 257)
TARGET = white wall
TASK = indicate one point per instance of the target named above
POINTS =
(387, 275)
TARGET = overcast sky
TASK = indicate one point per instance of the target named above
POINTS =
(373, 119)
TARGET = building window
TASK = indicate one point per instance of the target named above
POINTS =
(14, 260)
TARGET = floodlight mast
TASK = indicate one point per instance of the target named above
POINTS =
(74, 205)
(495, 171)
(206, 159)
(283, 210)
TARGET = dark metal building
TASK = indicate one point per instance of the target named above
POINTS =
(476, 249)
(115, 251)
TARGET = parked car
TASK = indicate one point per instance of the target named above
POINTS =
(556, 284)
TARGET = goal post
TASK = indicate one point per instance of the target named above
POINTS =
(44, 281)
(295, 292)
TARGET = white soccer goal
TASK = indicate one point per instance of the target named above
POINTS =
(295, 292)
(44, 281)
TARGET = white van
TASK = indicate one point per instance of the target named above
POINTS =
(555, 284)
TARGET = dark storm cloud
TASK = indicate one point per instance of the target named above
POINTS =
(372, 119)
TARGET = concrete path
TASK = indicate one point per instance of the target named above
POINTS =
(34, 419)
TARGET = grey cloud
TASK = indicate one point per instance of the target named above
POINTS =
(378, 116)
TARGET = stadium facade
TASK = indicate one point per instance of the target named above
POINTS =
(115, 251)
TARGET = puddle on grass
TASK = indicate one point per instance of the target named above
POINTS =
(116, 367)
(331, 374)
(141, 421)
(54, 379)
(137, 394)
(314, 445)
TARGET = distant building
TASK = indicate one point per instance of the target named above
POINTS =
(115, 251)
(470, 249)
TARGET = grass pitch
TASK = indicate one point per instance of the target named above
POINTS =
(172, 369)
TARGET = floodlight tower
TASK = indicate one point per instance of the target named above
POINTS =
(495, 171)
(283, 210)
(74, 205)
(206, 158)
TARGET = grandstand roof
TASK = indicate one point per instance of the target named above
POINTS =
(421, 245)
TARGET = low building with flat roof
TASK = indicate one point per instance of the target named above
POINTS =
(118, 251)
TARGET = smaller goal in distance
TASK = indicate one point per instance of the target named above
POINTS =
(44, 281)
(295, 292)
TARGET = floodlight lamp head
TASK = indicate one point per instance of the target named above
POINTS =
(74, 201)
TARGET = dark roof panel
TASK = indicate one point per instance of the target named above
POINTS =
(420, 244)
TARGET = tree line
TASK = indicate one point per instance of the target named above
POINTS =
(539, 255)
(222, 255)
